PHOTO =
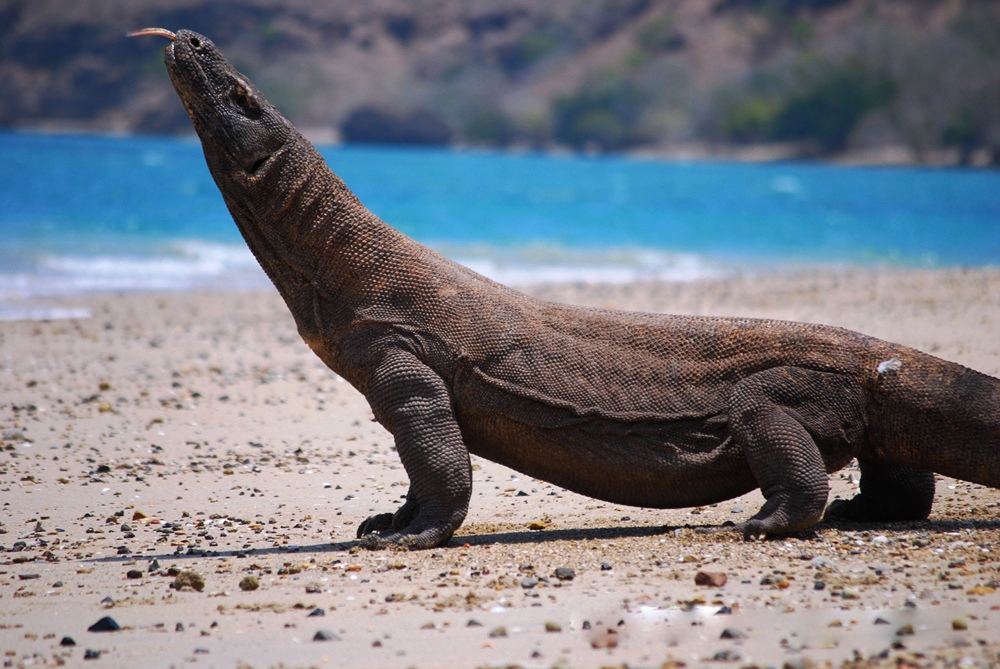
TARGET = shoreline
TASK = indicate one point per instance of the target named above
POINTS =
(831, 294)
(890, 155)
(195, 431)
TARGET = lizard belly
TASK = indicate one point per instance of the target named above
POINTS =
(668, 465)
(659, 459)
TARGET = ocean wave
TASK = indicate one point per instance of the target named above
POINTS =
(182, 265)
(193, 265)
(10, 312)
(538, 265)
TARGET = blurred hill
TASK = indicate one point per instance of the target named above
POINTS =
(869, 79)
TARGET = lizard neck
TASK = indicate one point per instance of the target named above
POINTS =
(317, 241)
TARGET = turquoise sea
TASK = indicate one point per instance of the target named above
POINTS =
(91, 213)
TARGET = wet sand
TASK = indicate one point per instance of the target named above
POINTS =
(184, 432)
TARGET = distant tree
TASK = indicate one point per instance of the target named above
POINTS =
(660, 34)
(605, 115)
(370, 124)
(828, 109)
(819, 102)
(491, 127)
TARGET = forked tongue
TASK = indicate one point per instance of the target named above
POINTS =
(162, 32)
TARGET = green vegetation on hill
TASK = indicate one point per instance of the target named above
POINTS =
(824, 104)
(826, 76)
(604, 115)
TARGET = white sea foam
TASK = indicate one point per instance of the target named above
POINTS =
(18, 313)
(184, 265)
(191, 265)
(551, 265)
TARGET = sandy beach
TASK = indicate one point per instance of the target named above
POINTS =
(182, 464)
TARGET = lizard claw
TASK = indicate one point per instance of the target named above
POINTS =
(377, 523)
(373, 542)
(752, 529)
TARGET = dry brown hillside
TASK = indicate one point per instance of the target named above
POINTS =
(816, 76)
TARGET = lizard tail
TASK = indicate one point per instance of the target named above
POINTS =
(936, 415)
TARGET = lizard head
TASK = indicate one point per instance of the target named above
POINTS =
(258, 160)
(240, 131)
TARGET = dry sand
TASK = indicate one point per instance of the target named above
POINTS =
(195, 432)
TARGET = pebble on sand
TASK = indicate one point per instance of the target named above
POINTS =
(608, 639)
(726, 656)
(715, 579)
(105, 624)
(189, 580)
(249, 583)
(325, 635)
(732, 633)
(981, 590)
(565, 574)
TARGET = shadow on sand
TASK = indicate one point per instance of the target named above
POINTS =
(580, 534)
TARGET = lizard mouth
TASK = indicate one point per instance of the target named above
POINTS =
(259, 163)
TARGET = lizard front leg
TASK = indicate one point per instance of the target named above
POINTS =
(413, 403)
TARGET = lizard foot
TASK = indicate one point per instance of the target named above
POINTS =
(430, 538)
(752, 529)
(405, 529)
(770, 527)
(888, 493)
(761, 529)
(376, 523)
(842, 509)
(859, 509)
(728, 526)
(373, 542)
(389, 521)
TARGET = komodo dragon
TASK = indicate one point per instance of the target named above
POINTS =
(640, 409)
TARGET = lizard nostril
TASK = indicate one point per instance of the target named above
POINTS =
(195, 42)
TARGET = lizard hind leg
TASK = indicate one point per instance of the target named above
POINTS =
(794, 425)
(889, 492)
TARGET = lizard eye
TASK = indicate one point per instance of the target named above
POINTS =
(244, 100)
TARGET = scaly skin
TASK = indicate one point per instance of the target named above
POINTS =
(642, 409)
